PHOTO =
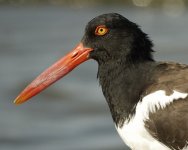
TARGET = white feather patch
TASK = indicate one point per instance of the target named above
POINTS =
(134, 133)
(157, 100)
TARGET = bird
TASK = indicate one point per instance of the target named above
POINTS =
(148, 99)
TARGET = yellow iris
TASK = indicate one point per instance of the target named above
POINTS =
(101, 30)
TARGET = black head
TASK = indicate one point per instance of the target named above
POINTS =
(123, 40)
(113, 41)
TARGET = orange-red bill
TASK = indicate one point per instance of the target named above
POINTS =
(58, 70)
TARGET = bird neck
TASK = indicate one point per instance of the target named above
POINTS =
(122, 85)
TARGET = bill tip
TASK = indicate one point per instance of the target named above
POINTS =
(17, 101)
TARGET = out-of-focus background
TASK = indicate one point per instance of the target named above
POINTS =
(72, 114)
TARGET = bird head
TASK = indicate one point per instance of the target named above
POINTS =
(114, 38)
(108, 37)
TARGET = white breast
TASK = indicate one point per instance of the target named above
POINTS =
(134, 133)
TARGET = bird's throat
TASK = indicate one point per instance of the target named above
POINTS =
(122, 86)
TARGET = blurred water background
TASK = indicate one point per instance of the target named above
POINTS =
(72, 114)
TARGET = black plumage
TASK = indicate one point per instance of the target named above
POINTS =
(127, 72)
(148, 100)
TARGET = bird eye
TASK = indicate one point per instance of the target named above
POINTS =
(101, 30)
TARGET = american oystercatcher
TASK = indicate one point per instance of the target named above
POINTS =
(148, 100)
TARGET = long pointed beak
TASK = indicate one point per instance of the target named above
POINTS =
(55, 72)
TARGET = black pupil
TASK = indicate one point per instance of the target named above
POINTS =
(101, 30)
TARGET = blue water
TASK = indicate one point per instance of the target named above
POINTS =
(72, 114)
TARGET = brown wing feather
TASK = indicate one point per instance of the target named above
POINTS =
(170, 125)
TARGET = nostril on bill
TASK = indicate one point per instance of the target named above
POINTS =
(74, 54)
